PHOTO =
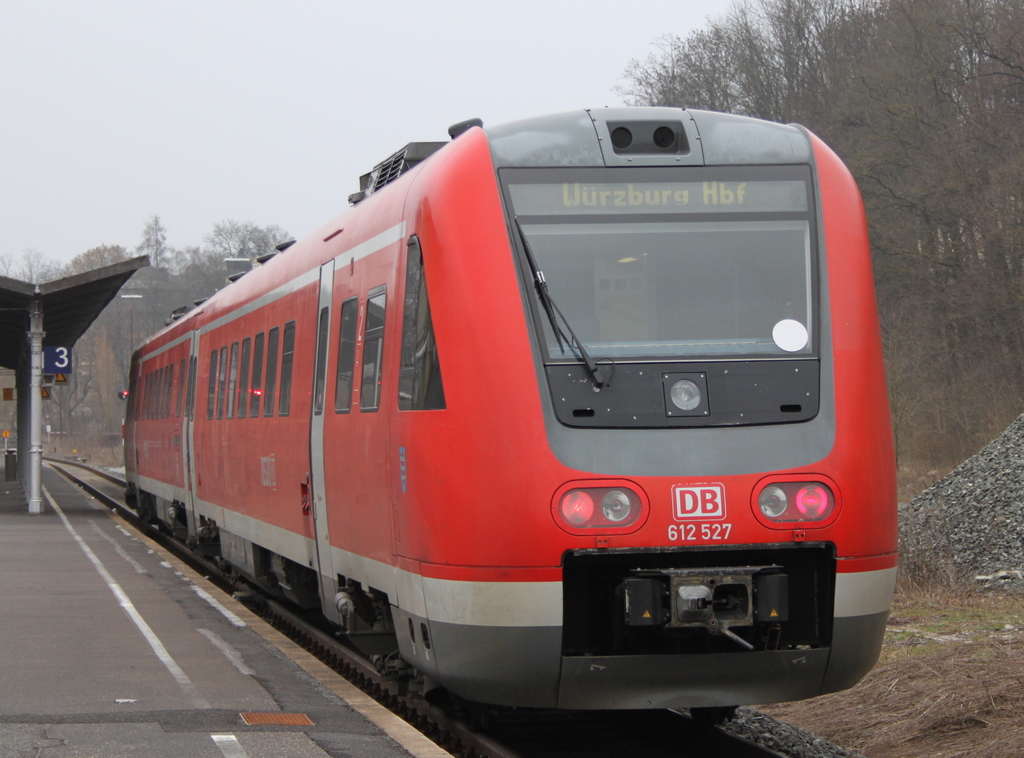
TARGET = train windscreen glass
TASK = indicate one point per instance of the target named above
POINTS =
(673, 262)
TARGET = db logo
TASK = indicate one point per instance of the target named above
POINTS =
(702, 501)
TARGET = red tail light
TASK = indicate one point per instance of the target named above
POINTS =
(789, 502)
(813, 501)
(602, 507)
(577, 508)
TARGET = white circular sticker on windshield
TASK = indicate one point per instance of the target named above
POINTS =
(790, 335)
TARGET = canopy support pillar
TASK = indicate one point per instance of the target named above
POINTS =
(35, 407)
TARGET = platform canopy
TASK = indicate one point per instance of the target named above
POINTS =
(69, 306)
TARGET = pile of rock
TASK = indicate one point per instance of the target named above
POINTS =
(971, 523)
(783, 738)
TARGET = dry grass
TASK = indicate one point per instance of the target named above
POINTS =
(950, 683)
(913, 478)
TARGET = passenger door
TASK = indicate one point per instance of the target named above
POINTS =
(318, 502)
(187, 441)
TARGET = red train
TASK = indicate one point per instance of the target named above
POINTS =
(583, 411)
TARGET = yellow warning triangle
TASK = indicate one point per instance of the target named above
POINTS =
(647, 614)
(773, 614)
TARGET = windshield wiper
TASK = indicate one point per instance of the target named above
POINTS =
(554, 314)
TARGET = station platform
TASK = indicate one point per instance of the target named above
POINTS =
(110, 647)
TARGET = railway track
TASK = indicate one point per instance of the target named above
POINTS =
(518, 733)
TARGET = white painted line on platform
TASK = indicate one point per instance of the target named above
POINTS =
(233, 656)
(228, 744)
(405, 734)
(126, 533)
(139, 569)
(214, 602)
(235, 621)
(125, 602)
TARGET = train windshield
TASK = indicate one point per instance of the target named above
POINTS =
(673, 263)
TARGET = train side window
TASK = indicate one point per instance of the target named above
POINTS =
(181, 386)
(257, 376)
(419, 380)
(222, 380)
(268, 394)
(168, 389)
(243, 379)
(190, 395)
(154, 407)
(169, 396)
(154, 394)
(154, 411)
(373, 350)
(346, 355)
(212, 395)
(287, 360)
(147, 384)
(320, 377)
(232, 380)
(161, 392)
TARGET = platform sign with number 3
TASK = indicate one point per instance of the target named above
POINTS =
(56, 360)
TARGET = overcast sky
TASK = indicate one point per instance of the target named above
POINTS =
(116, 111)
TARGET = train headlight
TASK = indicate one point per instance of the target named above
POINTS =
(599, 506)
(616, 506)
(795, 501)
(685, 395)
(772, 501)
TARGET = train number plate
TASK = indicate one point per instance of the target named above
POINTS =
(699, 532)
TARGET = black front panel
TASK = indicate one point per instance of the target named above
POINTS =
(789, 602)
(734, 393)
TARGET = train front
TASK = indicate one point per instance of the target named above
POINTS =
(707, 352)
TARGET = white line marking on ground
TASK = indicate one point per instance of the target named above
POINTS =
(228, 744)
(235, 621)
(233, 656)
(118, 549)
(125, 602)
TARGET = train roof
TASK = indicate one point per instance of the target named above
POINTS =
(635, 136)
(604, 137)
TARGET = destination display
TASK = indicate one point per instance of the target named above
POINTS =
(572, 198)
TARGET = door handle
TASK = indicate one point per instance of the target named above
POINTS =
(304, 488)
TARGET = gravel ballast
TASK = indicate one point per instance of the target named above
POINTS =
(783, 738)
(971, 522)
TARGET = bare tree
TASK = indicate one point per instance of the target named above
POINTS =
(35, 267)
(242, 239)
(154, 243)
